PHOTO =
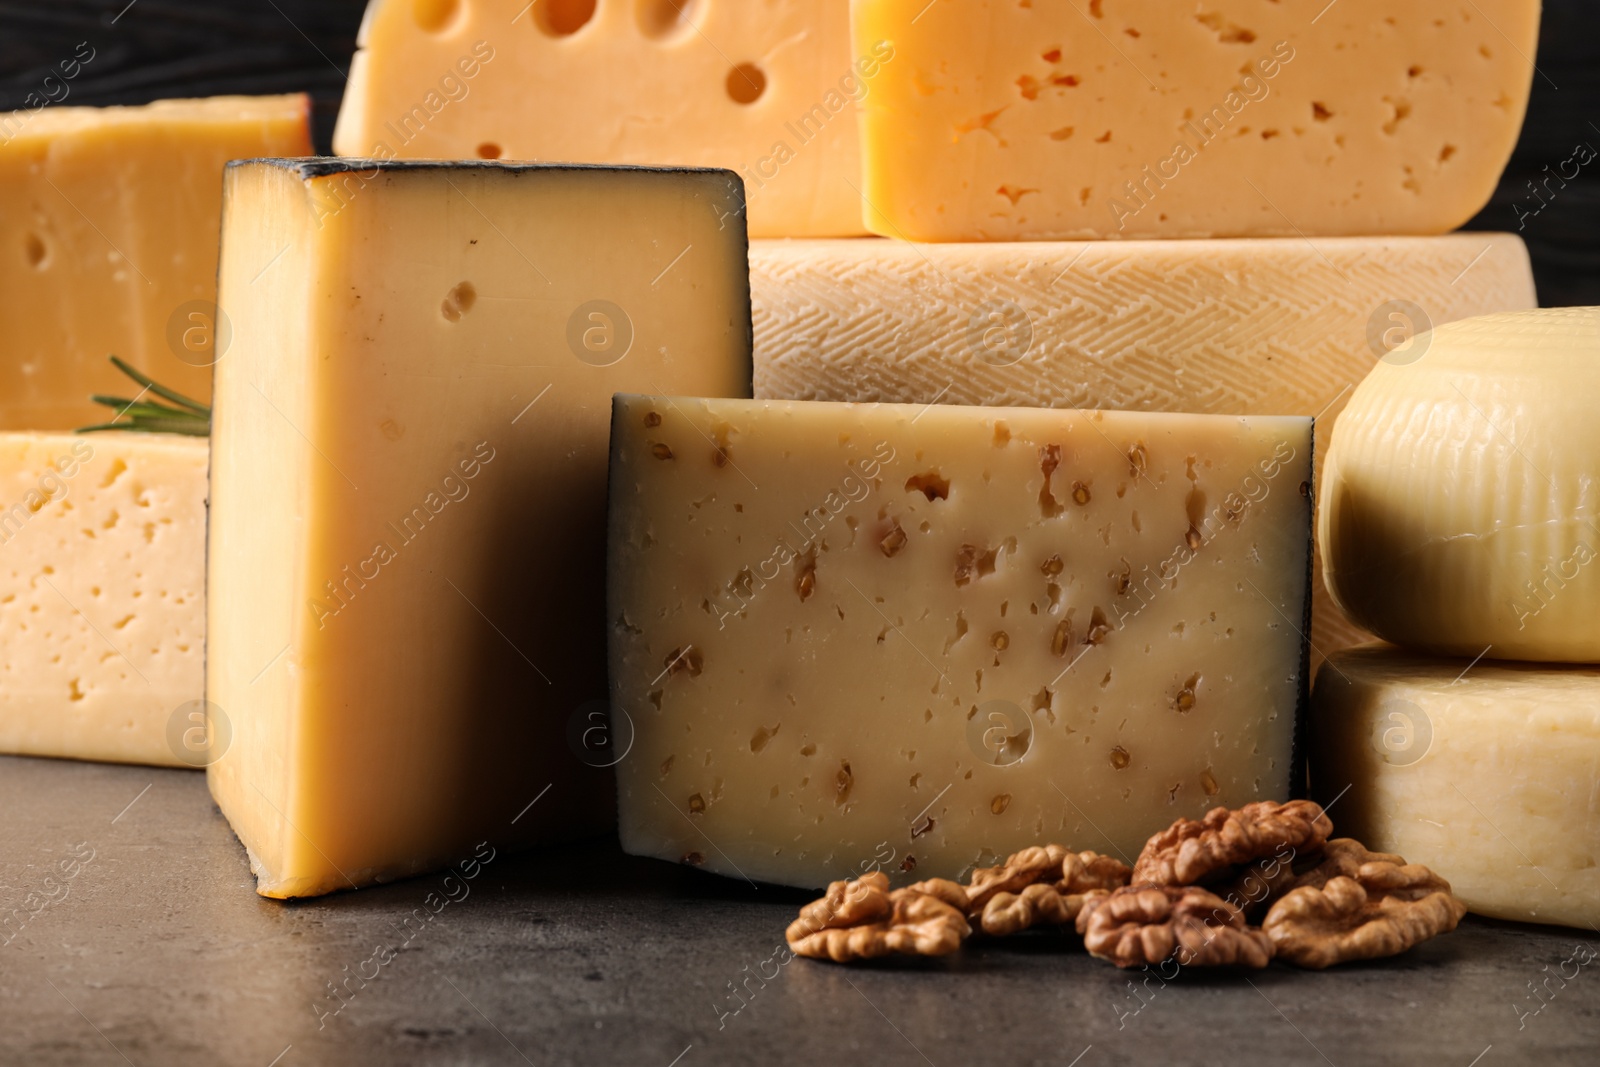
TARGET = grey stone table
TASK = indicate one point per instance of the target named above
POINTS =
(132, 934)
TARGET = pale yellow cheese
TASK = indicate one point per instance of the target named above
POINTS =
(408, 490)
(843, 632)
(766, 88)
(108, 244)
(1007, 120)
(1461, 501)
(1485, 772)
(102, 596)
(1246, 327)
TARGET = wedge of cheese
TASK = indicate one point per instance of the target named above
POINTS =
(108, 244)
(1001, 120)
(768, 89)
(408, 490)
(102, 597)
(1483, 771)
(1461, 504)
(1248, 327)
(947, 633)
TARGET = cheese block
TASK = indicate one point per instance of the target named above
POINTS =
(108, 244)
(1484, 772)
(946, 633)
(408, 482)
(1247, 327)
(1003, 121)
(768, 89)
(1460, 506)
(102, 596)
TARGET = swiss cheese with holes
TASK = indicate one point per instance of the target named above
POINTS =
(767, 89)
(102, 596)
(1001, 120)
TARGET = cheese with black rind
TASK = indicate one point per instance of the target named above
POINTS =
(408, 491)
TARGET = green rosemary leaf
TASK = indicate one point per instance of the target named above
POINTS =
(131, 406)
(161, 390)
(135, 414)
(189, 427)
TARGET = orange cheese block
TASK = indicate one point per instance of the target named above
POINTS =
(767, 89)
(108, 244)
(1000, 120)
(406, 555)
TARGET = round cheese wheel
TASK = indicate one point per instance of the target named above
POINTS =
(1461, 500)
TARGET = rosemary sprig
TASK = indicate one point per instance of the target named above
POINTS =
(180, 415)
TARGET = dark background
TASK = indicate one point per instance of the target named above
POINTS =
(159, 48)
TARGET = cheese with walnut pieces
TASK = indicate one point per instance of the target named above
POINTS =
(923, 638)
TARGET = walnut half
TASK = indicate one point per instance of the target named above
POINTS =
(1191, 852)
(1255, 887)
(1360, 905)
(1046, 885)
(1142, 925)
(864, 919)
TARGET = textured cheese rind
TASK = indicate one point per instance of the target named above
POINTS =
(1246, 327)
(613, 93)
(1001, 120)
(102, 594)
(1485, 773)
(120, 206)
(392, 709)
(1461, 499)
(748, 708)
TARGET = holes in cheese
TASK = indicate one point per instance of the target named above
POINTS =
(1460, 505)
(746, 83)
(1484, 772)
(562, 18)
(434, 16)
(768, 89)
(665, 19)
(408, 496)
(103, 618)
(1242, 120)
(957, 673)
(459, 301)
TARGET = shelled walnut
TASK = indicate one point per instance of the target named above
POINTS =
(1255, 887)
(864, 919)
(1045, 885)
(1141, 925)
(1342, 856)
(1360, 905)
(1191, 852)
(1194, 892)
